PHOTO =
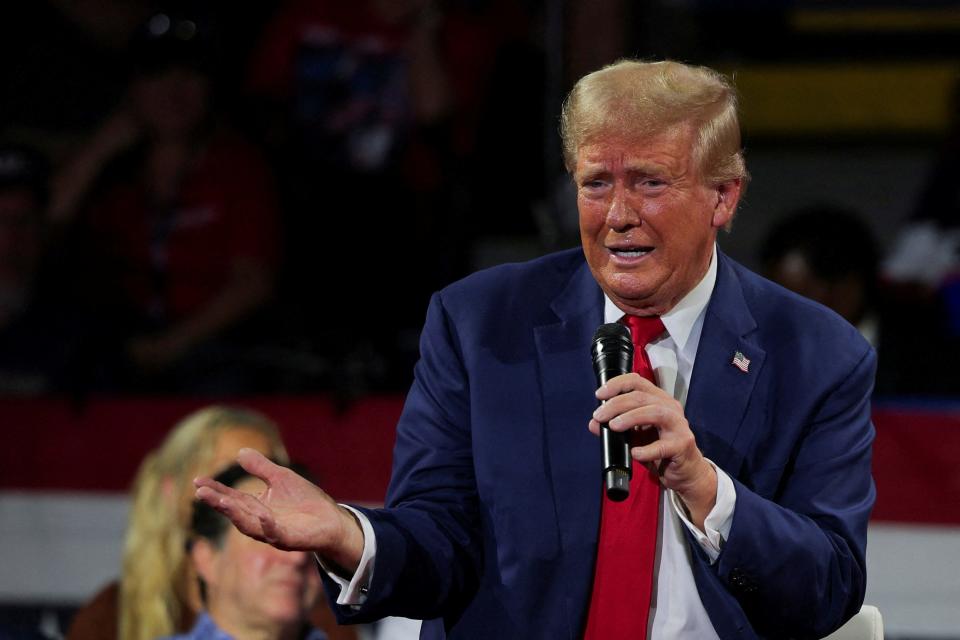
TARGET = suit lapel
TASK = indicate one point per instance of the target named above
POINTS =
(567, 384)
(720, 391)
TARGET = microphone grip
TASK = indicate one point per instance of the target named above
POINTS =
(617, 465)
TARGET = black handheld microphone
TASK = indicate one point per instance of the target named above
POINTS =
(612, 353)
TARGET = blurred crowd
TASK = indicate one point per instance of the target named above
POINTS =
(212, 214)
(212, 198)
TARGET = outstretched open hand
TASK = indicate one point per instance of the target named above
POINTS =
(290, 514)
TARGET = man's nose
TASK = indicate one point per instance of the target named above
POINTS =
(622, 213)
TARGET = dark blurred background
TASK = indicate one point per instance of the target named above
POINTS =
(226, 198)
(245, 200)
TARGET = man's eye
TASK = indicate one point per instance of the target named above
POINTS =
(654, 185)
(593, 185)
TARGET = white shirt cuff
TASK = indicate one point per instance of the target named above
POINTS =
(354, 591)
(717, 522)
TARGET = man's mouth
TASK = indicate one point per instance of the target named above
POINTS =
(630, 252)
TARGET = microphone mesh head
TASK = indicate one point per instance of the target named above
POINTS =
(612, 331)
(612, 351)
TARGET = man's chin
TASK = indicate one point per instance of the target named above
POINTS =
(631, 303)
(637, 298)
(286, 613)
(629, 288)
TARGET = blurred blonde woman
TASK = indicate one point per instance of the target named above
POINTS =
(157, 594)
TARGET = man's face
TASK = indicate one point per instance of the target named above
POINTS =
(251, 585)
(647, 219)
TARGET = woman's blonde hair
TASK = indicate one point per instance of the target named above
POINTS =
(153, 589)
(634, 99)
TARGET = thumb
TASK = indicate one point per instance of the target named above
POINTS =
(257, 464)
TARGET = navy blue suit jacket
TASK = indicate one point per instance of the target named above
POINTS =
(491, 521)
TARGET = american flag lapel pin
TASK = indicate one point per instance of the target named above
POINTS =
(741, 362)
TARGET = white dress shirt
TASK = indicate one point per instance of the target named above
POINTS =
(676, 610)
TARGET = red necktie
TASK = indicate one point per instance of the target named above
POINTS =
(626, 553)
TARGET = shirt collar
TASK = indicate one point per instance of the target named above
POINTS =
(206, 629)
(680, 320)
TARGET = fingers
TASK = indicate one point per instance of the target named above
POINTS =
(232, 509)
(657, 451)
(623, 393)
(257, 464)
(633, 402)
(671, 454)
(594, 427)
(623, 384)
(271, 532)
(246, 512)
(639, 410)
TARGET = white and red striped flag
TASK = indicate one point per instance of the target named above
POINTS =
(741, 362)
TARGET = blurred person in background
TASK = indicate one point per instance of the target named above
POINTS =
(374, 112)
(22, 196)
(339, 93)
(157, 594)
(250, 590)
(181, 218)
(921, 280)
(926, 254)
(827, 254)
(830, 255)
(38, 333)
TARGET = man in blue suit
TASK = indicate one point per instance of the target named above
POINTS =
(495, 524)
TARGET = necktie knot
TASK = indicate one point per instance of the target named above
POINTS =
(643, 329)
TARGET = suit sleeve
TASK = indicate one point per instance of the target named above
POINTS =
(428, 536)
(795, 561)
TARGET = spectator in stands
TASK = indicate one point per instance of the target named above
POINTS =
(926, 250)
(22, 194)
(373, 109)
(157, 593)
(250, 590)
(37, 337)
(921, 279)
(827, 254)
(182, 217)
(340, 93)
(830, 255)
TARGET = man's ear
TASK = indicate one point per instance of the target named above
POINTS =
(204, 556)
(725, 206)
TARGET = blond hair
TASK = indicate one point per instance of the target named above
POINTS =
(153, 587)
(634, 99)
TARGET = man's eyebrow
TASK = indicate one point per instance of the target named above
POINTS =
(646, 167)
(592, 170)
(642, 167)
